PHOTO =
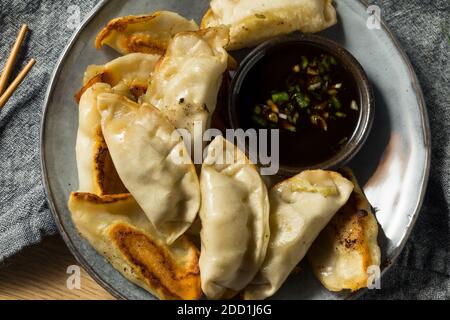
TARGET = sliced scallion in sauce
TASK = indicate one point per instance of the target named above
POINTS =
(311, 94)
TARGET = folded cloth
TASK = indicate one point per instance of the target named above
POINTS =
(24, 214)
(422, 27)
(423, 269)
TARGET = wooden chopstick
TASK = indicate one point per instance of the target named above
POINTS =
(12, 58)
(8, 93)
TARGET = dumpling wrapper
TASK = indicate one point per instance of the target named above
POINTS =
(301, 208)
(146, 33)
(153, 163)
(126, 75)
(255, 21)
(343, 253)
(96, 172)
(133, 71)
(235, 221)
(119, 230)
(186, 82)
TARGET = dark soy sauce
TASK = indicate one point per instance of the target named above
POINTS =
(309, 145)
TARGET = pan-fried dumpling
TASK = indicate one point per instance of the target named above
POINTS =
(133, 70)
(301, 208)
(254, 21)
(343, 253)
(153, 163)
(235, 221)
(96, 172)
(186, 82)
(119, 230)
(146, 34)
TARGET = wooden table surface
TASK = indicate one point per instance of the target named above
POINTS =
(40, 273)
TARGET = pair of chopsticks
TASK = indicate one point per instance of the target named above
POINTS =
(6, 94)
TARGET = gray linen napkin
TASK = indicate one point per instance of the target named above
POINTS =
(422, 26)
(423, 270)
(24, 214)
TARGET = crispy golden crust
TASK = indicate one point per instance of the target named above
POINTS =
(148, 45)
(120, 25)
(156, 266)
(208, 15)
(350, 237)
(353, 220)
(348, 228)
(136, 90)
(118, 229)
(97, 79)
(95, 199)
(106, 176)
(136, 43)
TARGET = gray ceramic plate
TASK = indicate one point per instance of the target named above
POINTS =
(393, 165)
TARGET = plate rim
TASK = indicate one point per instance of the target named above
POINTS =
(44, 173)
(116, 294)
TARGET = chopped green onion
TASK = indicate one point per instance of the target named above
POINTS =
(332, 92)
(336, 103)
(280, 97)
(260, 16)
(311, 92)
(319, 121)
(289, 127)
(304, 62)
(354, 106)
(325, 65)
(343, 141)
(321, 106)
(302, 100)
(314, 86)
(312, 72)
(332, 60)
